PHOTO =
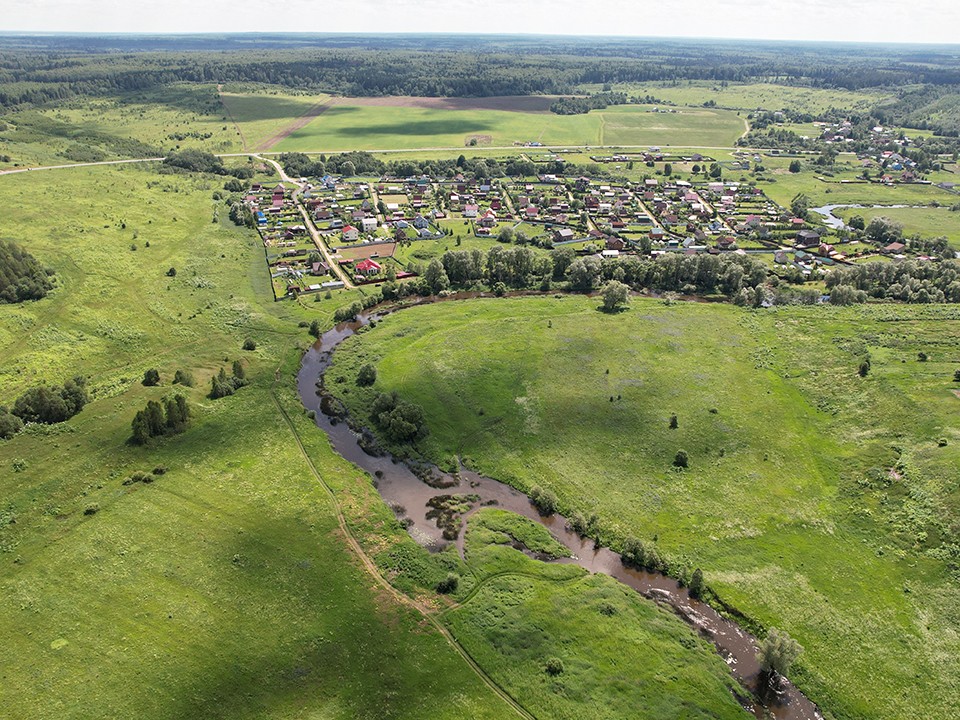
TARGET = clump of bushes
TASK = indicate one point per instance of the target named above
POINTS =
(554, 666)
(638, 555)
(157, 420)
(52, 404)
(681, 459)
(347, 312)
(449, 584)
(151, 377)
(249, 344)
(400, 421)
(21, 276)
(222, 385)
(183, 377)
(544, 500)
(10, 424)
(367, 375)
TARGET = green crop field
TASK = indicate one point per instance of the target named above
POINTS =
(364, 127)
(224, 588)
(816, 500)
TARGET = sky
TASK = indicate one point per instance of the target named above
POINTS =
(918, 21)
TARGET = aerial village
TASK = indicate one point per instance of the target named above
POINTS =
(330, 232)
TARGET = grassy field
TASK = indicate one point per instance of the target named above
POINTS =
(622, 656)
(225, 585)
(750, 96)
(366, 127)
(261, 116)
(788, 505)
(927, 222)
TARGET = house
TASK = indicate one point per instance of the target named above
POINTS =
(614, 243)
(894, 248)
(824, 249)
(367, 267)
(489, 219)
(368, 224)
(610, 254)
(350, 233)
(563, 235)
(470, 211)
(420, 222)
(319, 268)
(808, 237)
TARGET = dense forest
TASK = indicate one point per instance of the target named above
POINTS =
(21, 276)
(38, 69)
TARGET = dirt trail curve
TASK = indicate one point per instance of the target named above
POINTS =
(374, 572)
(302, 121)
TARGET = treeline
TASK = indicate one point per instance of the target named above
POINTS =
(910, 281)
(517, 268)
(38, 70)
(583, 105)
(363, 163)
(46, 404)
(22, 277)
(205, 162)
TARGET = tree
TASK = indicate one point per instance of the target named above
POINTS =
(616, 295)
(696, 583)
(800, 205)
(857, 222)
(681, 459)
(238, 371)
(183, 377)
(544, 500)
(777, 653)
(883, 230)
(554, 666)
(348, 169)
(436, 277)
(864, 368)
(10, 424)
(172, 272)
(583, 274)
(449, 584)
(956, 375)
(795, 166)
(151, 377)
(367, 375)
(249, 344)
(668, 169)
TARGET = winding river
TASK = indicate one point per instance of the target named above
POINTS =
(403, 490)
(836, 222)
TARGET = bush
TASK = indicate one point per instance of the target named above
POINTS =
(367, 375)
(183, 377)
(449, 584)
(347, 312)
(544, 500)
(52, 404)
(160, 419)
(249, 344)
(696, 583)
(554, 666)
(681, 459)
(400, 421)
(221, 385)
(314, 328)
(864, 368)
(151, 377)
(922, 356)
(21, 276)
(674, 423)
(172, 272)
(956, 375)
(10, 424)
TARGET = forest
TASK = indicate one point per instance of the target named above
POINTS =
(35, 69)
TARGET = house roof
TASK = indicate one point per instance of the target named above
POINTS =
(367, 264)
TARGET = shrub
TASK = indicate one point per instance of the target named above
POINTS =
(222, 385)
(554, 666)
(10, 424)
(449, 584)
(777, 653)
(91, 509)
(634, 553)
(956, 375)
(922, 356)
(696, 583)
(400, 421)
(159, 419)
(151, 377)
(681, 459)
(172, 272)
(367, 375)
(348, 312)
(52, 404)
(674, 423)
(864, 368)
(183, 377)
(315, 328)
(544, 500)
(249, 344)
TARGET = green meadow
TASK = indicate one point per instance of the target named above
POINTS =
(816, 501)
(924, 221)
(363, 127)
(225, 587)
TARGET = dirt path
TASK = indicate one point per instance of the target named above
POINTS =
(226, 107)
(374, 571)
(302, 121)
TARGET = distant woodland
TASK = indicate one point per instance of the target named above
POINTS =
(39, 69)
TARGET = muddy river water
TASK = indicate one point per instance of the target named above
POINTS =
(403, 490)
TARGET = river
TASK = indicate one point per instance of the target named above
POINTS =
(400, 487)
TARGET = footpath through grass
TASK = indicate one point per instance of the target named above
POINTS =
(816, 501)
